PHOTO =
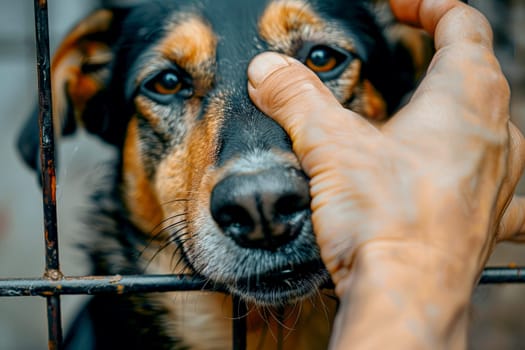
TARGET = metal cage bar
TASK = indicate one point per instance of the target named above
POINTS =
(47, 159)
(96, 285)
(53, 284)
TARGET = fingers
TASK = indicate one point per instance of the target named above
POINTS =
(449, 20)
(463, 38)
(512, 226)
(464, 78)
(409, 11)
(294, 96)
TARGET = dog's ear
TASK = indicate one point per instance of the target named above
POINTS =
(412, 48)
(80, 74)
(415, 43)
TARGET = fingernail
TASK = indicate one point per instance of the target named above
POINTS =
(263, 65)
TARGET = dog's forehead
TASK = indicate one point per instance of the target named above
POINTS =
(235, 23)
(230, 31)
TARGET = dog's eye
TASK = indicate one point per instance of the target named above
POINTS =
(321, 59)
(327, 62)
(165, 85)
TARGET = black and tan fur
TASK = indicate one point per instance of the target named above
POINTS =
(204, 182)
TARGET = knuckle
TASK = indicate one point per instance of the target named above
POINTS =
(496, 80)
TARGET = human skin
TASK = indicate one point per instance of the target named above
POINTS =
(407, 213)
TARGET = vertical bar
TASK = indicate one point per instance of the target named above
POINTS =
(54, 323)
(239, 323)
(47, 158)
(280, 330)
(47, 155)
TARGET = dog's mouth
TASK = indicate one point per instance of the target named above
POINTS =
(282, 286)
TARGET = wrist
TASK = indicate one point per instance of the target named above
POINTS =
(405, 296)
(415, 263)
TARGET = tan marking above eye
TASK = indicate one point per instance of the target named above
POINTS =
(190, 43)
(282, 19)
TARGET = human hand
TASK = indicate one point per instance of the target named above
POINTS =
(426, 194)
(449, 160)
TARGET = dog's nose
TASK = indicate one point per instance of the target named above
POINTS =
(263, 210)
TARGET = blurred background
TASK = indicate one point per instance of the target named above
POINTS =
(498, 313)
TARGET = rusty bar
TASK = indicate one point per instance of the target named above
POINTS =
(93, 285)
(47, 160)
(47, 144)
(54, 330)
(239, 323)
(164, 283)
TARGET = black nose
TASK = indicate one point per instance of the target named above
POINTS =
(262, 210)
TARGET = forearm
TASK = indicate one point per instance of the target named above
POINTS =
(400, 297)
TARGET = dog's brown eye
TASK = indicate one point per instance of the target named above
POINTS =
(321, 59)
(167, 83)
(326, 61)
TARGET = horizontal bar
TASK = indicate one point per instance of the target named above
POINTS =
(103, 285)
(165, 283)
(503, 275)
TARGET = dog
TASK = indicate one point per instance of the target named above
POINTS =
(204, 183)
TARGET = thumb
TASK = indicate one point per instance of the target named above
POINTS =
(285, 90)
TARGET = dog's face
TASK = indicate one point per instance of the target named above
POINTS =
(166, 83)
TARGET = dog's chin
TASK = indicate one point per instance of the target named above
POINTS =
(284, 276)
(281, 287)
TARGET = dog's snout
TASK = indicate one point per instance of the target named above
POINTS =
(263, 210)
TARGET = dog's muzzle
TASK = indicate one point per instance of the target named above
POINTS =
(264, 246)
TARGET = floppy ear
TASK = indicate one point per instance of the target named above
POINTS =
(415, 43)
(80, 74)
(413, 48)
(410, 51)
